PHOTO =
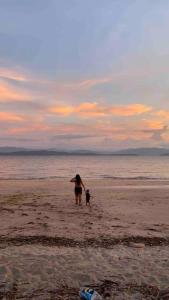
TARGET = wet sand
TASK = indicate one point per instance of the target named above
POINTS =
(49, 247)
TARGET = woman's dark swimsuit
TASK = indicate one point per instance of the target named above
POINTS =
(78, 190)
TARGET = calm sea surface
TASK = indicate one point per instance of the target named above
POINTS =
(43, 167)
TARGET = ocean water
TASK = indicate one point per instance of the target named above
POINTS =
(43, 167)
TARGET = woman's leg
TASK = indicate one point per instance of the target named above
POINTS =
(80, 199)
(76, 199)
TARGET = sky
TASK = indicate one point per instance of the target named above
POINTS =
(87, 74)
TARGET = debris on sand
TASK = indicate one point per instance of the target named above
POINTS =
(106, 289)
(108, 243)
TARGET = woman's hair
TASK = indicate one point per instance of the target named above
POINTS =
(78, 179)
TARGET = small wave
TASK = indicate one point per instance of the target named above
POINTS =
(133, 178)
(33, 178)
(86, 177)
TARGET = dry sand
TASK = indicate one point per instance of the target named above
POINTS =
(49, 247)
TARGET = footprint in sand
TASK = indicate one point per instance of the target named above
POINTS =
(152, 229)
(117, 226)
(100, 217)
(89, 223)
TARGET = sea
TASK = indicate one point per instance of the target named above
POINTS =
(88, 166)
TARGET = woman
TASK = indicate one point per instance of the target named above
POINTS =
(78, 188)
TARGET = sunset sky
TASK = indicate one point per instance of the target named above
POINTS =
(87, 74)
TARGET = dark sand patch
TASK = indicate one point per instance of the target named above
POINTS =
(88, 242)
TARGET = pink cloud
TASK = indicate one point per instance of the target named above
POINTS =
(9, 93)
(10, 117)
(12, 74)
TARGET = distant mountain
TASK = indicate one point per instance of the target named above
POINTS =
(124, 152)
(11, 149)
(24, 151)
(143, 152)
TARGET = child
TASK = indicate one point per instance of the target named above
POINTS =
(88, 196)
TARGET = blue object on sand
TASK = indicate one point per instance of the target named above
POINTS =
(89, 294)
(86, 294)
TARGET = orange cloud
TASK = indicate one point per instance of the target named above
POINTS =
(62, 110)
(93, 109)
(90, 109)
(129, 110)
(153, 124)
(83, 109)
(163, 114)
(6, 116)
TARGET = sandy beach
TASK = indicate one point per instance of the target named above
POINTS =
(49, 247)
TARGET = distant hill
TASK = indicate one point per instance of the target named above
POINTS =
(24, 151)
(11, 149)
(125, 152)
(143, 151)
